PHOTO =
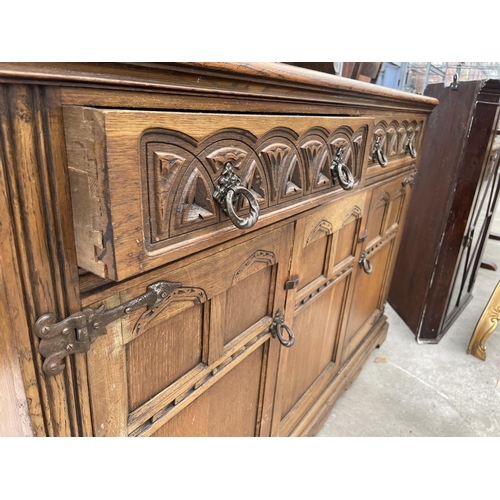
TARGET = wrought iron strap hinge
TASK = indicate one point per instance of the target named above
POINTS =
(77, 332)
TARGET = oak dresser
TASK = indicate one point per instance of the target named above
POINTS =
(194, 249)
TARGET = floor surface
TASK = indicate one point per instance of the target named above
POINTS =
(410, 389)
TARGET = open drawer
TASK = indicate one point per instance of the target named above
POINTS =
(146, 185)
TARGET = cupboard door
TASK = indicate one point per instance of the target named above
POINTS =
(388, 204)
(324, 256)
(204, 362)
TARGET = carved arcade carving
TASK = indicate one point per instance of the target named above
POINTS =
(278, 167)
(394, 136)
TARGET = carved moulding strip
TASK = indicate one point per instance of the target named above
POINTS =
(381, 241)
(260, 256)
(278, 167)
(321, 229)
(181, 294)
(394, 136)
(356, 213)
(485, 326)
(332, 280)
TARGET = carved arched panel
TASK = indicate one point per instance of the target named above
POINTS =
(402, 137)
(392, 139)
(257, 261)
(194, 206)
(315, 154)
(167, 154)
(283, 164)
(277, 167)
(342, 139)
(394, 136)
(358, 143)
(179, 299)
(322, 228)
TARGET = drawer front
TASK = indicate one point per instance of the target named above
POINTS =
(396, 141)
(143, 182)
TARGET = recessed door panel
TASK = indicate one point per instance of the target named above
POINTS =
(316, 328)
(216, 414)
(247, 302)
(163, 354)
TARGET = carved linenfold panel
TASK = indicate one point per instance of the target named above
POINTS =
(251, 265)
(394, 137)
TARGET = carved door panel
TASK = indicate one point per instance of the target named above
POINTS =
(324, 256)
(203, 363)
(388, 204)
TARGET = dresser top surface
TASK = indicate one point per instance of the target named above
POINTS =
(263, 79)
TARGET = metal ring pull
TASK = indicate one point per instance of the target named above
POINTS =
(411, 148)
(378, 153)
(229, 186)
(240, 222)
(365, 263)
(277, 325)
(341, 171)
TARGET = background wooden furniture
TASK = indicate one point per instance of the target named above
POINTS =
(451, 210)
(133, 306)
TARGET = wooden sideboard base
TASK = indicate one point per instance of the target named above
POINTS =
(315, 418)
(146, 299)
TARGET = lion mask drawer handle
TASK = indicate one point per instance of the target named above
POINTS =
(229, 186)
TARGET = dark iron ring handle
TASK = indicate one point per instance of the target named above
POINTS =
(380, 155)
(411, 148)
(366, 264)
(291, 336)
(240, 222)
(341, 172)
